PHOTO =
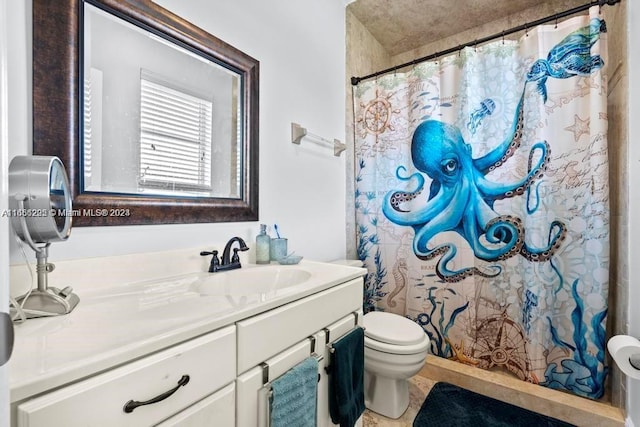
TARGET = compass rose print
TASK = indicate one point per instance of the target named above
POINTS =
(502, 342)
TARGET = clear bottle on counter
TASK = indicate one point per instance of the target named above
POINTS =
(262, 246)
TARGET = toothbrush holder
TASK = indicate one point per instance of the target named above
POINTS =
(277, 248)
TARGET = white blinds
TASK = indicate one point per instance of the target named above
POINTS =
(86, 145)
(175, 138)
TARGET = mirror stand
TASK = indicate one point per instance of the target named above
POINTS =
(45, 300)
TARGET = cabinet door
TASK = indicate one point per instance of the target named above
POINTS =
(250, 383)
(215, 410)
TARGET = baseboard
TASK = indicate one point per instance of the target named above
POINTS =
(563, 406)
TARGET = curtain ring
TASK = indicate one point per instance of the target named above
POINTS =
(475, 45)
(503, 37)
(556, 27)
(526, 29)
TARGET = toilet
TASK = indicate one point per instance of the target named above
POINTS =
(394, 350)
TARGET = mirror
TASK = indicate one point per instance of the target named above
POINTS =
(41, 198)
(155, 119)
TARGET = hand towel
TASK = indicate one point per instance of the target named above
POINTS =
(293, 403)
(346, 379)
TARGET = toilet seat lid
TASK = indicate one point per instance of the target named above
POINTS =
(392, 328)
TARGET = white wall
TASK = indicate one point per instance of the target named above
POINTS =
(4, 222)
(300, 45)
(12, 126)
(633, 10)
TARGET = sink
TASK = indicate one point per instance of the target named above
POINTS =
(262, 282)
(249, 281)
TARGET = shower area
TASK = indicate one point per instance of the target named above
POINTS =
(489, 192)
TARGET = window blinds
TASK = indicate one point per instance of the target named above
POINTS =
(86, 146)
(175, 138)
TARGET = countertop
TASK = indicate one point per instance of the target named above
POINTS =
(114, 325)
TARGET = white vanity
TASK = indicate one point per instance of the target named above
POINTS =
(207, 343)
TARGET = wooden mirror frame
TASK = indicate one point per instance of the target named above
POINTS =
(57, 122)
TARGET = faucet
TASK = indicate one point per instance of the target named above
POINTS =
(228, 262)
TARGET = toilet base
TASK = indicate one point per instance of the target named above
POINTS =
(386, 396)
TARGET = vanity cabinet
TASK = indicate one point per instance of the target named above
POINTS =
(216, 376)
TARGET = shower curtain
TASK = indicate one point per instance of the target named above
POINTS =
(482, 202)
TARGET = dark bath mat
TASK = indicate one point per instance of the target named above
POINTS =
(448, 405)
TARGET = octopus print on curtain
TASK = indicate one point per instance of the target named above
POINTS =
(482, 203)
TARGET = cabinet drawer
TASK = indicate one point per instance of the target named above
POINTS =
(209, 361)
(264, 335)
(215, 410)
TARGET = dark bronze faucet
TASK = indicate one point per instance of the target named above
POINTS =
(228, 262)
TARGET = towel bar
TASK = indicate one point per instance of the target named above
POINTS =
(327, 335)
(298, 132)
(264, 406)
(330, 345)
(265, 372)
(267, 386)
(265, 365)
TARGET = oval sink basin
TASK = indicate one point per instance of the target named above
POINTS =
(249, 281)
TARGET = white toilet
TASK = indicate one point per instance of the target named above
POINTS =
(394, 350)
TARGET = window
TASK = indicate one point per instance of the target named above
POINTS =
(92, 130)
(87, 155)
(175, 138)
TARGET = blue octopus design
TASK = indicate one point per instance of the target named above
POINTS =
(461, 199)
(571, 57)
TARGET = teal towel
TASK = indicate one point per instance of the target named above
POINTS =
(295, 393)
(346, 380)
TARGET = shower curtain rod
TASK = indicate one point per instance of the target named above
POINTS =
(524, 27)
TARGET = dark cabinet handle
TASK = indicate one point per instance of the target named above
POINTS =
(133, 404)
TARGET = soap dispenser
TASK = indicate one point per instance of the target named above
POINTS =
(262, 246)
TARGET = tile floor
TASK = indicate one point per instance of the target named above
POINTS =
(419, 387)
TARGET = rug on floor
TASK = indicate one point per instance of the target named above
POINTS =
(448, 405)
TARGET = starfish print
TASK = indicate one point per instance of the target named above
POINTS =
(459, 355)
(579, 127)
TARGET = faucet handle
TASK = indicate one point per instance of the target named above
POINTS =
(205, 253)
(235, 257)
(215, 261)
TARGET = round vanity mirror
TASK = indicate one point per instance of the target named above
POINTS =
(40, 199)
(41, 213)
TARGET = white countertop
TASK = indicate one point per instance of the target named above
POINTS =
(120, 323)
